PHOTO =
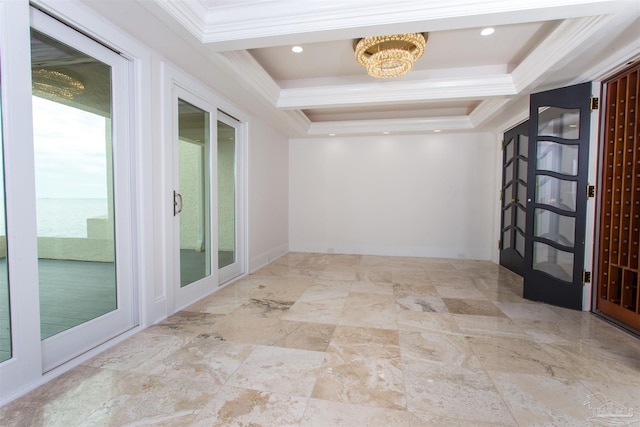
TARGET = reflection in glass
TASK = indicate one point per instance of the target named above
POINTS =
(509, 149)
(193, 148)
(522, 170)
(520, 243)
(5, 310)
(508, 194)
(507, 218)
(74, 185)
(559, 122)
(553, 261)
(523, 146)
(522, 194)
(506, 239)
(521, 217)
(508, 174)
(559, 158)
(559, 228)
(556, 192)
(226, 195)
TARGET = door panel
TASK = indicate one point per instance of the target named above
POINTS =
(230, 236)
(81, 155)
(194, 244)
(514, 192)
(193, 185)
(559, 129)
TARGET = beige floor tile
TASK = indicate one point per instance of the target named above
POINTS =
(240, 407)
(279, 370)
(363, 381)
(443, 349)
(206, 359)
(472, 307)
(426, 321)
(486, 326)
(518, 355)
(454, 391)
(427, 304)
(544, 400)
(351, 342)
(369, 310)
(322, 413)
(328, 311)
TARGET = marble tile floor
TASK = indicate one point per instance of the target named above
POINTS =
(346, 340)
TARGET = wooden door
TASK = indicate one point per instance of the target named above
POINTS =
(513, 197)
(559, 130)
(619, 225)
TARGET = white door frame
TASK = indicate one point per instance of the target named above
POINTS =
(176, 82)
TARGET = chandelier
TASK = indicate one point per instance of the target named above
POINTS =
(389, 56)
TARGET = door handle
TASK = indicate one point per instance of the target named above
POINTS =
(177, 203)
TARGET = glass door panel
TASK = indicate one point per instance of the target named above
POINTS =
(514, 191)
(556, 208)
(226, 195)
(230, 255)
(80, 106)
(74, 186)
(5, 306)
(194, 193)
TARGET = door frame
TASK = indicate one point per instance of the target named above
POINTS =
(238, 268)
(173, 77)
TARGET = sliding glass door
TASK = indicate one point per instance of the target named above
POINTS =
(230, 236)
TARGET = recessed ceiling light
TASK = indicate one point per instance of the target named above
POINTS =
(297, 49)
(332, 134)
(386, 133)
(437, 131)
(487, 31)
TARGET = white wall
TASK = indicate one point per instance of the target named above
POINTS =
(268, 194)
(415, 195)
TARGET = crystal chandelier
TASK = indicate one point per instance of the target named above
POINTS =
(389, 56)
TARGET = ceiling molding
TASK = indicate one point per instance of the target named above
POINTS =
(353, 127)
(562, 42)
(298, 119)
(395, 92)
(486, 110)
(188, 14)
(243, 64)
(260, 24)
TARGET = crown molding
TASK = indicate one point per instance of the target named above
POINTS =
(402, 91)
(486, 110)
(354, 127)
(559, 45)
(298, 120)
(265, 23)
(244, 65)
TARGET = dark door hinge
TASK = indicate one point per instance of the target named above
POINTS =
(595, 103)
(586, 276)
(591, 191)
(499, 245)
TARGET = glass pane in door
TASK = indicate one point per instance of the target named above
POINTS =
(193, 148)
(5, 310)
(226, 195)
(74, 185)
